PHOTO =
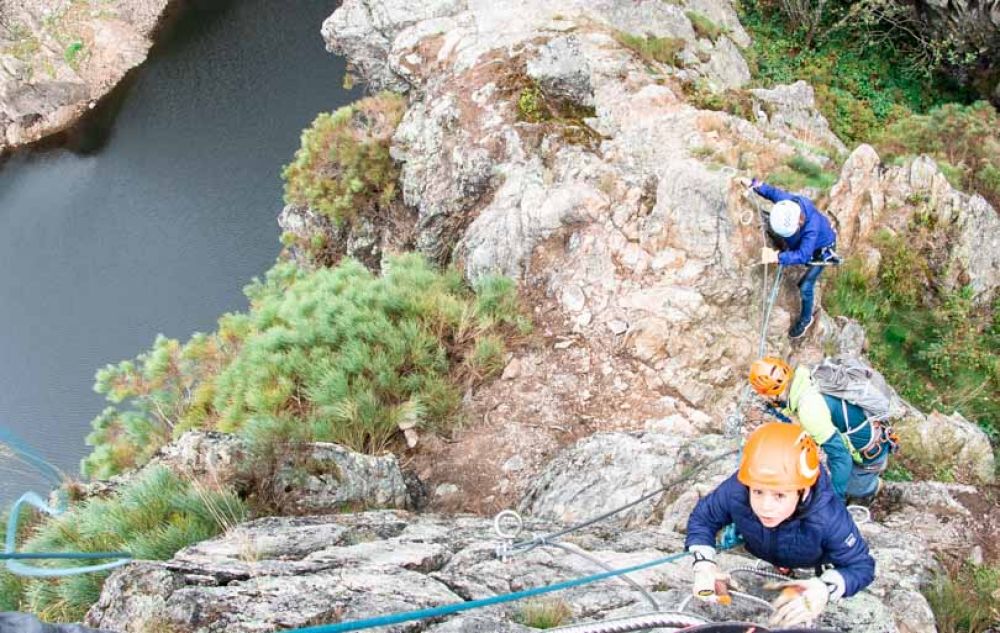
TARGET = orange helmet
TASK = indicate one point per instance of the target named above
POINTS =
(769, 375)
(779, 456)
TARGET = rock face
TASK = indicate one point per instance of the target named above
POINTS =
(792, 110)
(538, 144)
(610, 180)
(950, 444)
(294, 572)
(58, 57)
(328, 476)
(871, 196)
(608, 470)
(315, 478)
(287, 573)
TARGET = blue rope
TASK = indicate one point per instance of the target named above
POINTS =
(448, 609)
(25, 452)
(10, 554)
(62, 555)
(774, 412)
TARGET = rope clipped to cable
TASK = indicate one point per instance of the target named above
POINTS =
(536, 541)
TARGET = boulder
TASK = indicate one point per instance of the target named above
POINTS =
(45, 89)
(790, 111)
(870, 196)
(948, 444)
(314, 478)
(607, 470)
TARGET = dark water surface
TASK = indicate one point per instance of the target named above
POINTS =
(159, 229)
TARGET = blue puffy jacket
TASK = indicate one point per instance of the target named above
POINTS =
(819, 532)
(815, 234)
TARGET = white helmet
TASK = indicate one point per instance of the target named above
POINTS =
(785, 218)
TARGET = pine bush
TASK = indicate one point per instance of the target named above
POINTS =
(337, 354)
(343, 167)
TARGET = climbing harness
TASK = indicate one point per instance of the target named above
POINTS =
(10, 554)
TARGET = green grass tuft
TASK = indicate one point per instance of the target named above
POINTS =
(705, 27)
(544, 614)
(650, 48)
(799, 173)
(152, 518)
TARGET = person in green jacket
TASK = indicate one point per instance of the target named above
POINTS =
(795, 394)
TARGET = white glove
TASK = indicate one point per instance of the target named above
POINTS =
(768, 256)
(802, 601)
(710, 584)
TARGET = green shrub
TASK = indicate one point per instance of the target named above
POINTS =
(704, 27)
(350, 354)
(650, 48)
(965, 140)
(336, 354)
(152, 518)
(168, 390)
(799, 173)
(966, 601)
(343, 168)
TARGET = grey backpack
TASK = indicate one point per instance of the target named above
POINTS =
(852, 379)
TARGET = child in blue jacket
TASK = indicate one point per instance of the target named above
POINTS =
(782, 504)
(808, 237)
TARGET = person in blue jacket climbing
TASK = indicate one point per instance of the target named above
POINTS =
(807, 238)
(781, 502)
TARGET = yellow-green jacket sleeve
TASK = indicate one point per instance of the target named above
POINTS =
(808, 405)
